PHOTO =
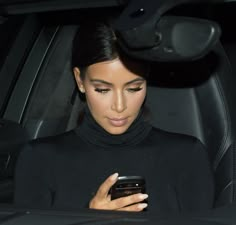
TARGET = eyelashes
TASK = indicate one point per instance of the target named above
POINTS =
(106, 90)
(101, 90)
(134, 89)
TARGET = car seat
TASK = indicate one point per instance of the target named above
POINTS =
(181, 98)
(12, 137)
(194, 99)
(205, 110)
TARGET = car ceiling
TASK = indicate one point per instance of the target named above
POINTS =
(11, 7)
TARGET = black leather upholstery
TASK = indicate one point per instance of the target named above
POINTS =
(206, 111)
(12, 137)
(203, 109)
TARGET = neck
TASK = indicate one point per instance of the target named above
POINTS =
(94, 134)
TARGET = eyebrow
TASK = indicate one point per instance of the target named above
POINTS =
(110, 84)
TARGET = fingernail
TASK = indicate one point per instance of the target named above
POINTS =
(143, 196)
(114, 176)
(142, 205)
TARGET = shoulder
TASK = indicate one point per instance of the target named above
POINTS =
(176, 142)
(178, 137)
(40, 153)
(49, 145)
(181, 152)
(59, 139)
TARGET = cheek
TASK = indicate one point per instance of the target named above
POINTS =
(95, 101)
(136, 101)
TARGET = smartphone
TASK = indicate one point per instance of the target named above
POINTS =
(127, 185)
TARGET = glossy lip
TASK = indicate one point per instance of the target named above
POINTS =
(118, 122)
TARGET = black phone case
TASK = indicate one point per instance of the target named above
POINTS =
(127, 185)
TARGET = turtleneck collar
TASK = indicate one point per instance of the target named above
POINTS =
(93, 133)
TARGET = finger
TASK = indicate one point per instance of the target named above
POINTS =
(129, 200)
(104, 189)
(134, 208)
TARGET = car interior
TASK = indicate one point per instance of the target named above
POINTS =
(39, 97)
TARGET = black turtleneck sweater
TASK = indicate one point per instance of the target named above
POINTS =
(65, 171)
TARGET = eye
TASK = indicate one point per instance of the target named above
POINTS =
(132, 90)
(102, 90)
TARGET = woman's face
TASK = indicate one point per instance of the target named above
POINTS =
(114, 94)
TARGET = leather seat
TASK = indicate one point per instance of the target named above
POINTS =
(197, 101)
(205, 110)
(12, 137)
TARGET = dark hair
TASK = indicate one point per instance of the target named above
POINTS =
(96, 42)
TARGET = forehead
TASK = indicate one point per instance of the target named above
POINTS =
(115, 70)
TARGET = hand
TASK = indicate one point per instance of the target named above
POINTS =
(102, 199)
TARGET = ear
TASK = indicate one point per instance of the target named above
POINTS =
(78, 79)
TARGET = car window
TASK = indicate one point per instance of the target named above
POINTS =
(9, 29)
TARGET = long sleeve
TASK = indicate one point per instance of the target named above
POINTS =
(65, 172)
(32, 180)
(196, 185)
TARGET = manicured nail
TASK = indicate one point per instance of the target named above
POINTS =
(114, 176)
(142, 205)
(143, 196)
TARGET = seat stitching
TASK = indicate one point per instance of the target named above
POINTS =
(222, 150)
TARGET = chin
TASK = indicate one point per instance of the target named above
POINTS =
(117, 131)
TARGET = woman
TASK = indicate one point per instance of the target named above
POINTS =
(77, 169)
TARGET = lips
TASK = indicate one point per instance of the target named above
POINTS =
(118, 122)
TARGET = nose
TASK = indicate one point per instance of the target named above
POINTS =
(119, 102)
